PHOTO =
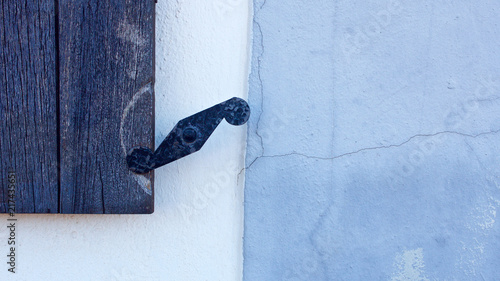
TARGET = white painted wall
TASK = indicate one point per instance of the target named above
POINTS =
(197, 228)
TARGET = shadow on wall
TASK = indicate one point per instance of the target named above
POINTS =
(348, 219)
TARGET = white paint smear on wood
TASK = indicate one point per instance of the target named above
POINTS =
(143, 182)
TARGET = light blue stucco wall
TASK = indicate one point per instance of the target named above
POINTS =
(373, 148)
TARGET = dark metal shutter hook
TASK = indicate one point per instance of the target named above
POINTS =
(188, 136)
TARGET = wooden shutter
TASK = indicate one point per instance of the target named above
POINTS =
(77, 93)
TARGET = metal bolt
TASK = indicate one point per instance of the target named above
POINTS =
(189, 135)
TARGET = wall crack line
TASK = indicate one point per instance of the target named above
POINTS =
(369, 148)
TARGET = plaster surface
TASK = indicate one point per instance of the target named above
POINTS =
(196, 230)
(373, 148)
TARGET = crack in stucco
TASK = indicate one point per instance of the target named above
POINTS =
(260, 37)
(261, 84)
(369, 148)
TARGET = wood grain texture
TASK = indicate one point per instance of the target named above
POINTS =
(107, 102)
(76, 94)
(28, 136)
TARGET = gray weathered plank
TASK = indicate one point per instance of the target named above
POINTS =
(107, 102)
(102, 57)
(28, 130)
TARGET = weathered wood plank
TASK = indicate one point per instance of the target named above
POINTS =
(28, 96)
(107, 102)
